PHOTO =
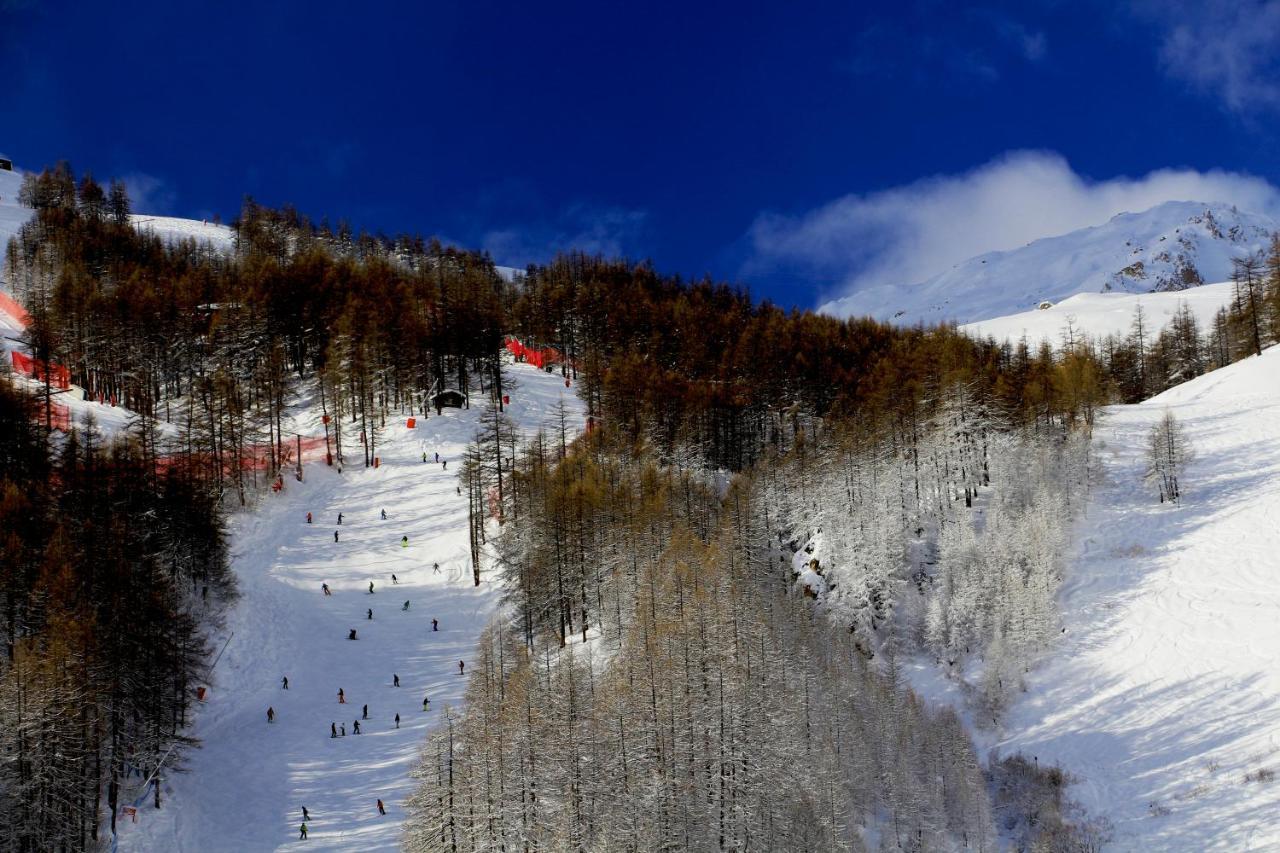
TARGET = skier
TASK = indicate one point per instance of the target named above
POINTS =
(284, 682)
(435, 569)
(384, 515)
(305, 814)
(459, 491)
(344, 730)
(308, 518)
(371, 587)
(352, 635)
(404, 541)
(437, 455)
(397, 721)
(335, 536)
(444, 463)
(461, 666)
(325, 587)
(381, 808)
(394, 580)
(342, 697)
(424, 456)
(406, 605)
(339, 519)
(333, 730)
(435, 626)
(364, 712)
(395, 680)
(426, 703)
(369, 613)
(355, 727)
(303, 829)
(271, 715)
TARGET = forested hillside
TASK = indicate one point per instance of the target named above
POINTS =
(706, 597)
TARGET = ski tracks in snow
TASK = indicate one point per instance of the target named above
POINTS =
(245, 786)
(1164, 693)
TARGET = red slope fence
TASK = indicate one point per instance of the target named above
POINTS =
(543, 357)
(55, 374)
(14, 310)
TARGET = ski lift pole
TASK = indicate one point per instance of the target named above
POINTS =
(220, 651)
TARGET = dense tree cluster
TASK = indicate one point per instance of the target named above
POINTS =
(108, 570)
(947, 538)
(695, 709)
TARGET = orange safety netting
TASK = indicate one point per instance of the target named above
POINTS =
(14, 310)
(34, 367)
(542, 358)
(61, 417)
(257, 457)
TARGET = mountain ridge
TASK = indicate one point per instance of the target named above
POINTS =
(1172, 246)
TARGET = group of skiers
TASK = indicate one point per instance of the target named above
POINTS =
(306, 816)
(336, 729)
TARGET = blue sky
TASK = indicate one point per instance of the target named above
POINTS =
(800, 148)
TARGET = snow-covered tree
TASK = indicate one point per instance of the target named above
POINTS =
(1168, 453)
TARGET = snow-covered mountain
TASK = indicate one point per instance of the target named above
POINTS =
(1172, 246)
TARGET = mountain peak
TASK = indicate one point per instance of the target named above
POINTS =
(1172, 246)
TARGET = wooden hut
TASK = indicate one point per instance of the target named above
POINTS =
(449, 398)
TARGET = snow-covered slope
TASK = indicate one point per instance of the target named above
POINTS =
(1163, 695)
(1100, 314)
(12, 214)
(247, 783)
(1169, 247)
(171, 228)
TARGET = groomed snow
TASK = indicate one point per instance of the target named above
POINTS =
(1163, 695)
(171, 228)
(246, 785)
(1100, 314)
(12, 214)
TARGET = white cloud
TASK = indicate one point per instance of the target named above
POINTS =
(1229, 49)
(907, 234)
(149, 194)
(609, 231)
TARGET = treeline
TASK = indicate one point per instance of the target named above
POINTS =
(108, 572)
(700, 368)
(697, 708)
(215, 341)
(1148, 359)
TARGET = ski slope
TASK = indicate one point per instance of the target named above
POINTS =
(172, 229)
(1164, 694)
(12, 214)
(1098, 315)
(246, 784)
